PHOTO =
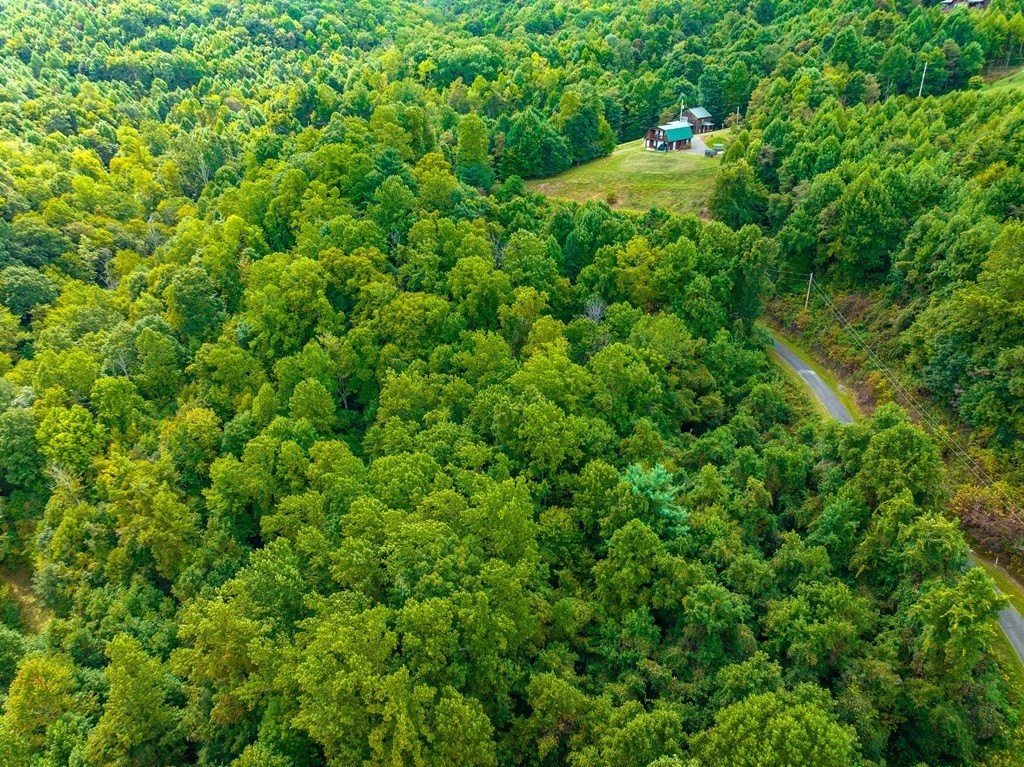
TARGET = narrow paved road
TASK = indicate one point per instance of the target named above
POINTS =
(821, 390)
(701, 141)
(1012, 624)
(1010, 621)
(697, 145)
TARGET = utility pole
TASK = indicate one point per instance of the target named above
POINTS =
(921, 89)
(810, 282)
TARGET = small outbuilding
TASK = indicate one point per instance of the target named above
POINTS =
(670, 136)
(699, 118)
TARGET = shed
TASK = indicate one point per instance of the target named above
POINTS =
(699, 118)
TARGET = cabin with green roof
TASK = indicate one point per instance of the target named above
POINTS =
(670, 136)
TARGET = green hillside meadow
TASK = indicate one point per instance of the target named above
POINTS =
(634, 178)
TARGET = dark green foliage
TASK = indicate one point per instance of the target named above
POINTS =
(22, 289)
(12, 649)
(325, 455)
(739, 197)
(19, 453)
(533, 148)
(885, 196)
(711, 93)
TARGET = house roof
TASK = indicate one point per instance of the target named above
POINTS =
(678, 130)
(699, 112)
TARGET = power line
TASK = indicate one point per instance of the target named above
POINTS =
(934, 427)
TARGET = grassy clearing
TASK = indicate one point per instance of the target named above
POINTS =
(1014, 80)
(632, 178)
(33, 614)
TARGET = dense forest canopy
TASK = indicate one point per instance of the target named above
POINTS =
(917, 206)
(327, 444)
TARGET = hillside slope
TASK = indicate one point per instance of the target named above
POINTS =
(633, 178)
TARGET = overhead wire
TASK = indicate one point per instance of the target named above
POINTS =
(934, 426)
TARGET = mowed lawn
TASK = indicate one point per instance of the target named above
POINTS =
(632, 178)
(1016, 80)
